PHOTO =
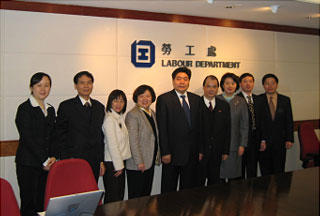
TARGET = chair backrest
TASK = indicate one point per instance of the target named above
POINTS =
(9, 204)
(309, 143)
(69, 176)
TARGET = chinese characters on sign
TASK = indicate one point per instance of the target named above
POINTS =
(166, 50)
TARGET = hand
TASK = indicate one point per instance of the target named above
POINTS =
(200, 156)
(51, 161)
(263, 146)
(118, 173)
(141, 167)
(102, 169)
(240, 150)
(224, 157)
(289, 144)
(166, 159)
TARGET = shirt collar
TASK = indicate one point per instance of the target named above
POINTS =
(206, 100)
(83, 101)
(246, 95)
(114, 113)
(35, 103)
(179, 94)
(147, 111)
(274, 96)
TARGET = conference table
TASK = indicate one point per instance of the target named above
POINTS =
(291, 193)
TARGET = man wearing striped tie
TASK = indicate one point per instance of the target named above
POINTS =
(251, 154)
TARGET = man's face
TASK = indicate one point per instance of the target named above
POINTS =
(181, 82)
(210, 89)
(84, 86)
(270, 85)
(247, 84)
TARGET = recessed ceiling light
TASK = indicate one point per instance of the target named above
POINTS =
(274, 8)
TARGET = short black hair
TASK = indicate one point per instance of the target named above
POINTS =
(115, 94)
(142, 89)
(37, 77)
(210, 77)
(269, 76)
(181, 70)
(244, 75)
(80, 74)
(234, 77)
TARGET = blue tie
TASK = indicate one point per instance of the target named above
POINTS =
(186, 109)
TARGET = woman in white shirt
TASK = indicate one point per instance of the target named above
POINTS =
(117, 148)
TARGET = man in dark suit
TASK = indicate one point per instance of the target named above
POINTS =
(215, 129)
(277, 127)
(79, 125)
(178, 123)
(251, 154)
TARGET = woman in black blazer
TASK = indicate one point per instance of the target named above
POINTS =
(35, 121)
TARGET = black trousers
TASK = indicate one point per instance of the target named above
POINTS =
(250, 157)
(32, 182)
(272, 160)
(114, 186)
(209, 170)
(186, 174)
(140, 183)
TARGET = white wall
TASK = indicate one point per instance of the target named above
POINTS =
(63, 45)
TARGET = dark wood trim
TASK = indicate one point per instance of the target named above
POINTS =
(9, 148)
(151, 16)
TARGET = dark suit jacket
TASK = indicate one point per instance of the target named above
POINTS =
(175, 135)
(257, 115)
(215, 130)
(36, 135)
(276, 132)
(80, 135)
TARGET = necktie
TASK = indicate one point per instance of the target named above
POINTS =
(210, 106)
(272, 108)
(251, 109)
(87, 104)
(186, 109)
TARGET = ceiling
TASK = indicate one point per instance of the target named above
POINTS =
(300, 13)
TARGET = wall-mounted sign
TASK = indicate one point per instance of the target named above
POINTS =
(143, 55)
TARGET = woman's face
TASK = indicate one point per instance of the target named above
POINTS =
(145, 100)
(229, 86)
(118, 104)
(41, 90)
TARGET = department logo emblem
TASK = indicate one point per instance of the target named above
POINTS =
(142, 53)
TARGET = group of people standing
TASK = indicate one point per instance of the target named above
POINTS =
(213, 138)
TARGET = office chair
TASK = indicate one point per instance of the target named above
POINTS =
(9, 204)
(309, 145)
(69, 176)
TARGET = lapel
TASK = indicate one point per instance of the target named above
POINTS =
(265, 98)
(155, 122)
(191, 102)
(81, 110)
(217, 109)
(119, 118)
(176, 100)
(279, 106)
(144, 118)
